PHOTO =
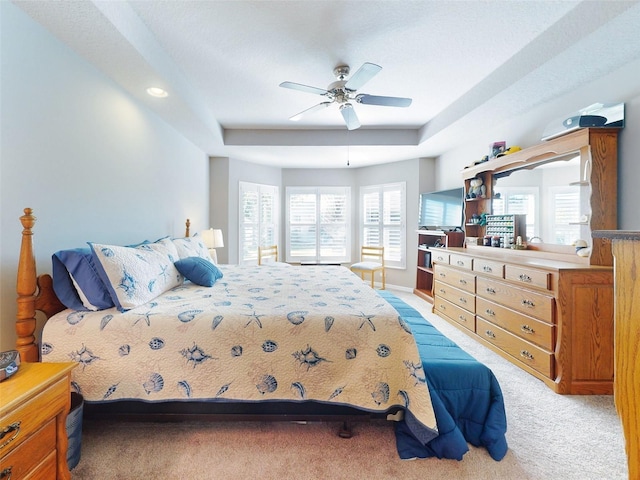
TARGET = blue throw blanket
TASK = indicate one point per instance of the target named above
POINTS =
(465, 394)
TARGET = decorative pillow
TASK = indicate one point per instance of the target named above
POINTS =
(199, 271)
(192, 247)
(76, 280)
(137, 275)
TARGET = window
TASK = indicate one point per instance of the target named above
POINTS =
(259, 219)
(519, 200)
(318, 224)
(383, 220)
(565, 205)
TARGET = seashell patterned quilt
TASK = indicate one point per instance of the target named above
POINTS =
(259, 333)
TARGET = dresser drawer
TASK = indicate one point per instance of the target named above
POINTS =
(439, 256)
(456, 296)
(460, 261)
(525, 352)
(525, 301)
(532, 330)
(462, 280)
(30, 416)
(26, 456)
(46, 470)
(488, 267)
(528, 276)
(455, 313)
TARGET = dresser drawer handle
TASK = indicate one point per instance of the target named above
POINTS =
(442, 291)
(442, 307)
(460, 262)
(6, 473)
(528, 303)
(527, 329)
(527, 355)
(14, 427)
(525, 278)
(491, 290)
(462, 318)
(487, 269)
(489, 333)
(490, 312)
(442, 275)
(463, 300)
(463, 281)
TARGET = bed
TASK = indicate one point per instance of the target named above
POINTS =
(235, 338)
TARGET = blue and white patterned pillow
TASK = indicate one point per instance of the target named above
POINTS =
(192, 247)
(137, 275)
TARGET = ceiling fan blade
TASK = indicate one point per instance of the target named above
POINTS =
(304, 88)
(365, 73)
(320, 106)
(350, 117)
(383, 101)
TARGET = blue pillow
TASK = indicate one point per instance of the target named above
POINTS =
(76, 281)
(199, 271)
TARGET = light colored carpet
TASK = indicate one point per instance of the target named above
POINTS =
(550, 436)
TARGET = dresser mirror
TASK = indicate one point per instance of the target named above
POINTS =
(554, 194)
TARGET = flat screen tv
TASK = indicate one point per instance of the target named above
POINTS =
(441, 210)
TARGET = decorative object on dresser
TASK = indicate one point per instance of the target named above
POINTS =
(540, 305)
(33, 436)
(626, 251)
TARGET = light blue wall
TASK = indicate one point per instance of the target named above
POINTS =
(92, 163)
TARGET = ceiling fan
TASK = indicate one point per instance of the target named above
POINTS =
(343, 92)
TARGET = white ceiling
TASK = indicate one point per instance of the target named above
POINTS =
(461, 62)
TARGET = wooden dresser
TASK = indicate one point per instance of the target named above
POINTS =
(553, 319)
(34, 404)
(626, 252)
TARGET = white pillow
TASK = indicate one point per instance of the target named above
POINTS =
(137, 275)
(191, 247)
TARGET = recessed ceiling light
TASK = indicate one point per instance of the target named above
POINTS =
(157, 92)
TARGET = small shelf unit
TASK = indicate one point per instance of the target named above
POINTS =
(429, 243)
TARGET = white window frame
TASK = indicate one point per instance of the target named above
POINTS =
(262, 227)
(317, 257)
(533, 220)
(400, 260)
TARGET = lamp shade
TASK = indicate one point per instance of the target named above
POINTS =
(212, 238)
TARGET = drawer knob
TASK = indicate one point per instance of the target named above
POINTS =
(487, 269)
(460, 262)
(443, 275)
(490, 312)
(525, 278)
(6, 473)
(463, 300)
(491, 291)
(463, 281)
(489, 333)
(526, 354)
(442, 307)
(527, 329)
(14, 427)
(462, 318)
(442, 291)
(528, 303)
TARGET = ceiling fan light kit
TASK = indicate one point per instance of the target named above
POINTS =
(343, 92)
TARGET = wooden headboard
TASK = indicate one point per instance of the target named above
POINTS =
(35, 292)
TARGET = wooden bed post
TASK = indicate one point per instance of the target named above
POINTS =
(186, 229)
(26, 288)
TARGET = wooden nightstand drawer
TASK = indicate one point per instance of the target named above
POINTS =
(456, 296)
(488, 267)
(30, 453)
(532, 330)
(528, 276)
(455, 313)
(526, 352)
(30, 416)
(460, 261)
(462, 280)
(524, 301)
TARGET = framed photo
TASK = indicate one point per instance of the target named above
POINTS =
(496, 148)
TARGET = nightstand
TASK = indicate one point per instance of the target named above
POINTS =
(34, 404)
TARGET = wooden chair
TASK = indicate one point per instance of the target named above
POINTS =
(371, 261)
(268, 254)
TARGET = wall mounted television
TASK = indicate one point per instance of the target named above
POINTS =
(442, 210)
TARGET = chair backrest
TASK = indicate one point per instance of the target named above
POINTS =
(267, 254)
(370, 253)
